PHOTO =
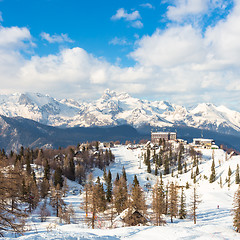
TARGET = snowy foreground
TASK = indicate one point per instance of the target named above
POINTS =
(212, 222)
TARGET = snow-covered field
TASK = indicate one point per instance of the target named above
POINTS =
(212, 222)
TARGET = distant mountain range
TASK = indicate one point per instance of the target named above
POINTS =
(114, 109)
(60, 122)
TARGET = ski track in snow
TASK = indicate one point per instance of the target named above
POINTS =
(212, 223)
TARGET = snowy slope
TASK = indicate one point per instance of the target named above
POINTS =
(212, 223)
(115, 108)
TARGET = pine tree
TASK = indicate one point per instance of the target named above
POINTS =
(229, 176)
(90, 201)
(213, 154)
(56, 199)
(195, 200)
(173, 201)
(117, 178)
(46, 170)
(166, 199)
(137, 195)
(100, 196)
(124, 173)
(197, 170)
(148, 167)
(28, 165)
(192, 175)
(147, 161)
(182, 210)
(156, 170)
(166, 165)
(58, 178)
(237, 179)
(213, 174)
(44, 188)
(147, 156)
(12, 217)
(236, 210)
(160, 162)
(185, 167)
(158, 204)
(111, 156)
(180, 162)
(137, 200)
(32, 193)
(109, 187)
(71, 169)
(221, 185)
(194, 179)
(105, 174)
(120, 195)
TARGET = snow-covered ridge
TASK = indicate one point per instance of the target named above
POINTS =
(115, 108)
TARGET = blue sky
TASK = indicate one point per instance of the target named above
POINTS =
(184, 51)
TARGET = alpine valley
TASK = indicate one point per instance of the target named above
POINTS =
(113, 109)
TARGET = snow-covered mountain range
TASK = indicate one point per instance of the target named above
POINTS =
(115, 108)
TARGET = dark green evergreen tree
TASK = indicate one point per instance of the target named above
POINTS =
(117, 178)
(213, 174)
(124, 174)
(197, 170)
(28, 165)
(149, 167)
(58, 178)
(156, 170)
(166, 165)
(182, 211)
(71, 168)
(109, 187)
(47, 170)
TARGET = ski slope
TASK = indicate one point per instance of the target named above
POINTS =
(212, 222)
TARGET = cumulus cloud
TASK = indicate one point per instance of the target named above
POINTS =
(130, 17)
(56, 38)
(118, 41)
(147, 5)
(182, 11)
(169, 48)
(183, 8)
(191, 62)
(137, 24)
(180, 64)
(14, 37)
(122, 13)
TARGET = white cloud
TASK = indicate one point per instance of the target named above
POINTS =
(137, 24)
(182, 8)
(185, 10)
(172, 47)
(56, 38)
(14, 37)
(118, 41)
(179, 64)
(122, 14)
(147, 5)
